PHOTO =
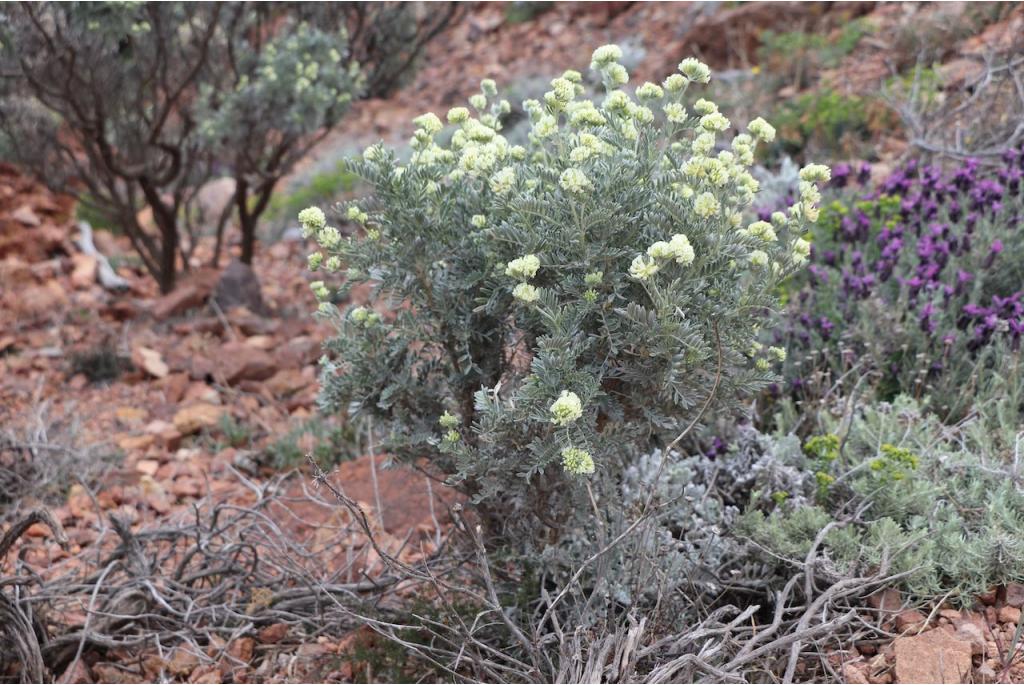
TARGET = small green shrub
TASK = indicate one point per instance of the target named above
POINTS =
(523, 11)
(541, 313)
(230, 433)
(797, 56)
(324, 439)
(941, 504)
(827, 120)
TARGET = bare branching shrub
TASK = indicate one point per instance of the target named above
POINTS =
(43, 453)
(981, 116)
(193, 583)
(490, 618)
(133, 105)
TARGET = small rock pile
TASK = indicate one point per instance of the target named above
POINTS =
(942, 644)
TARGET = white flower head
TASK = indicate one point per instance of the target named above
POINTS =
(660, 250)
(329, 237)
(566, 409)
(703, 106)
(674, 83)
(502, 182)
(643, 114)
(320, 290)
(703, 144)
(695, 70)
(429, 123)
(681, 249)
(359, 314)
(563, 89)
(312, 220)
(478, 220)
(706, 205)
(575, 181)
(605, 55)
(762, 130)
(675, 112)
(577, 462)
(523, 268)
(758, 258)
(801, 250)
(763, 230)
(585, 114)
(524, 292)
(714, 121)
(371, 153)
(650, 91)
(642, 269)
(545, 127)
(618, 75)
(617, 101)
(813, 173)
(458, 115)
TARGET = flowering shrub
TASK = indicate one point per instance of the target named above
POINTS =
(542, 311)
(920, 281)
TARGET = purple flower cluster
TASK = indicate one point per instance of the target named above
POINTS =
(928, 245)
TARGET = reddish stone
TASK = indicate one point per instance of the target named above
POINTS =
(932, 657)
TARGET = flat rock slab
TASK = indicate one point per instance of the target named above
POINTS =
(932, 657)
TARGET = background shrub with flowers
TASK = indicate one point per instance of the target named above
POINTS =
(538, 314)
(914, 283)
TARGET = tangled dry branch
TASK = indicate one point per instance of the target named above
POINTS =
(198, 583)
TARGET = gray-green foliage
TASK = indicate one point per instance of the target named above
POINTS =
(562, 305)
(944, 504)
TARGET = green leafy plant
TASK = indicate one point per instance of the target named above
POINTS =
(939, 503)
(321, 189)
(320, 437)
(796, 55)
(828, 120)
(537, 314)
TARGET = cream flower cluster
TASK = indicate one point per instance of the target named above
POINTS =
(642, 269)
(364, 317)
(678, 248)
(566, 409)
(523, 269)
(715, 183)
(575, 181)
(763, 230)
(577, 462)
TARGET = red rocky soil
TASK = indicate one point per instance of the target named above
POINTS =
(193, 365)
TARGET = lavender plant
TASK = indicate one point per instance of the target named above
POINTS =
(918, 281)
(539, 314)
